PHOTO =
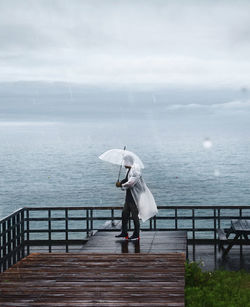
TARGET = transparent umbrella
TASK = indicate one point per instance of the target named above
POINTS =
(122, 157)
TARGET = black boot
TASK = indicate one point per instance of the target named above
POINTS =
(134, 237)
(122, 235)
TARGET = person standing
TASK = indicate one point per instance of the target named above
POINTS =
(139, 202)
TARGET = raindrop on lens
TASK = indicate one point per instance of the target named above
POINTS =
(207, 143)
(216, 173)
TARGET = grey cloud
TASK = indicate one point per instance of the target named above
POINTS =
(122, 42)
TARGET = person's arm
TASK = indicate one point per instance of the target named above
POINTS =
(132, 180)
(123, 181)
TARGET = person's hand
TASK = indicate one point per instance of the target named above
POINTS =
(118, 184)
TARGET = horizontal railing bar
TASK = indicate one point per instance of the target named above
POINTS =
(104, 218)
(72, 208)
(212, 241)
(197, 217)
(119, 218)
(83, 241)
(188, 207)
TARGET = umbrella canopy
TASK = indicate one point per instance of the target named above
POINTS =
(120, 156)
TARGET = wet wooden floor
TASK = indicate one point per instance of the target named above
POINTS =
(153, 276)
(150, 242)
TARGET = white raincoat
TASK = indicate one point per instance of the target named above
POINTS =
(142, 196)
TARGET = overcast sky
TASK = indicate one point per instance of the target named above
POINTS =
(115, 42)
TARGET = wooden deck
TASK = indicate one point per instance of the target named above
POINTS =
(95, 280)
(150, 276)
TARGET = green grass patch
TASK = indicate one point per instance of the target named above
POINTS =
(216, 289)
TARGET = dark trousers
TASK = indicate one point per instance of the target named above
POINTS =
(130, 207)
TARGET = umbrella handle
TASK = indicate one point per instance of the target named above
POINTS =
(121, 166)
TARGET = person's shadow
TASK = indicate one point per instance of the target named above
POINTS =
(125, 243)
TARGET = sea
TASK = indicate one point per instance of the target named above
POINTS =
(191, 157)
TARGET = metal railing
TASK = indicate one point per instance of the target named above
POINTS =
(12, 239)
(49, 226)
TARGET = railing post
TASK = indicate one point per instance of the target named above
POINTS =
(91, 220)
(49, 229)
(13, 221)
(28, 230)
(193, 223)
(9, 242)
(18, 236)
(4, 245)
(176, 219)
(215, 235)
(87, 221)
(219, 218)
(112, 217)
(215, 226)
(150, 224)
(154, 222)
(22, 235)
(240, 211)
(67, 230)
(193, 230)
